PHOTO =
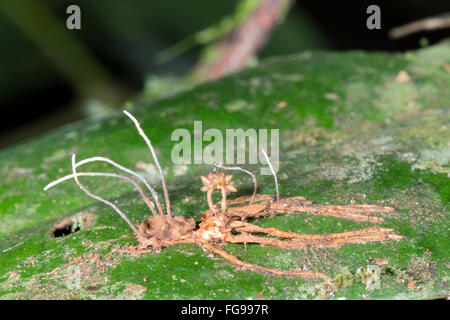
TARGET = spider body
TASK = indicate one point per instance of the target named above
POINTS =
(160, 233)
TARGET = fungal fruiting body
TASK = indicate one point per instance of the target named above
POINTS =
(226, 222)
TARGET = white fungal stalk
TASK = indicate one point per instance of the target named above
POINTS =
(115, 164)
(150, 204)
(274, 175)
(104, 174)
(149, 144)
(112, 205)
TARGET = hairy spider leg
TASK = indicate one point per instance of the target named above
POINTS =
(246, 265)
(316, 240)
(300, 204)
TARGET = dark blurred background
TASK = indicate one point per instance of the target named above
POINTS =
(50, 75)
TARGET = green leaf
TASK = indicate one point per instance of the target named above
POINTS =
(350, 131)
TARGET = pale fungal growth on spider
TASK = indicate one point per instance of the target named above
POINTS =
(149, 144)
(122, 168)
(255, 181)
(123, 215)
(230, 225)
(218, 181)
(147, 201)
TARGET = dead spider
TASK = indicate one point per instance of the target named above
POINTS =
(229, 224)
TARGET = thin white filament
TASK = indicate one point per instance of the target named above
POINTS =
(149, 187)
(112, 205)
(255, 181)
(149, 144)
(274, 175)
(105, 174)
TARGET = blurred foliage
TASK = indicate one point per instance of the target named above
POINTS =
(45, 68)
(124, 34)
(212, 33)
(51, 37)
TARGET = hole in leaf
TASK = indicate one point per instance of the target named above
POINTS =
(72, 225)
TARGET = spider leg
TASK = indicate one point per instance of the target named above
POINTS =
(264, 206)
(300, 204)
(312, 240)
(249, 238)
(245, 199)
(246, 265)
(257, 210)
(350, 212)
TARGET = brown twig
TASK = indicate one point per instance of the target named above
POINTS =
(233, 52)
(427, 24)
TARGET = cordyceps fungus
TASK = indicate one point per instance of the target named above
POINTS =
(218, 181)
(230, 225)
(255, 181)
